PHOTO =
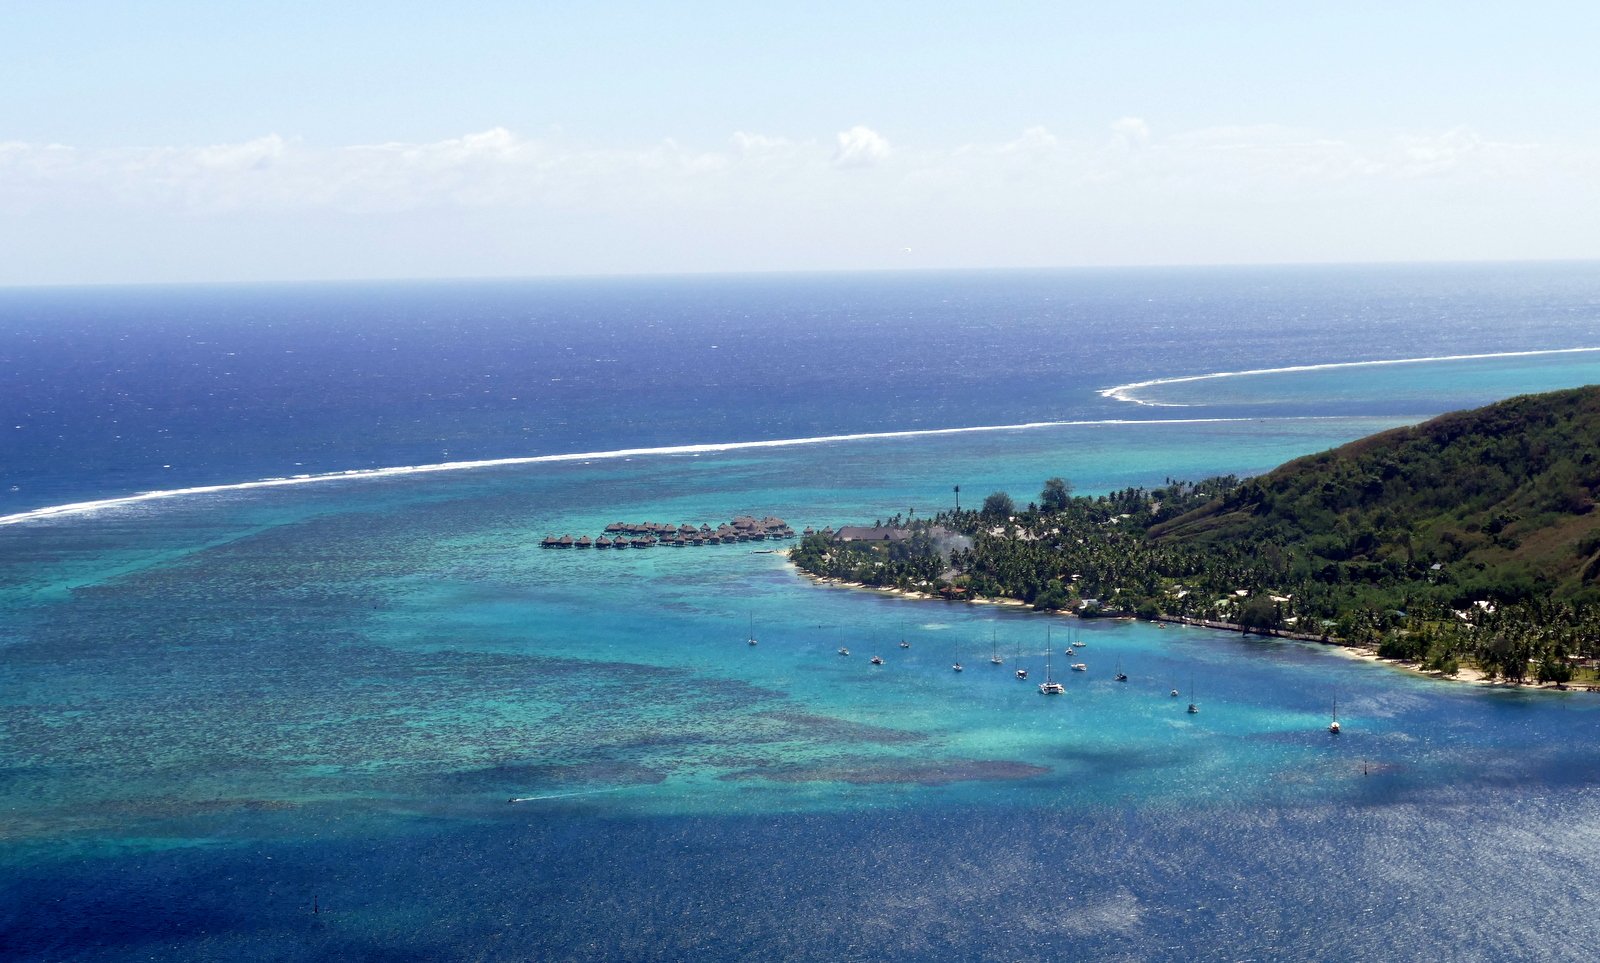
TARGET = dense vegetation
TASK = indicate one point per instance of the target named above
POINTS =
(1471, 538)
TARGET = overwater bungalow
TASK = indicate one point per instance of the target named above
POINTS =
(745, 528)
(549, 542)
(809, 531)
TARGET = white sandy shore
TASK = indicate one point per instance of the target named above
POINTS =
(1466, 675)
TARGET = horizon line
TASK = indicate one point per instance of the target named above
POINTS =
(789, 272)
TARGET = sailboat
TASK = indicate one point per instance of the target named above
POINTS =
(903, 643)
(957, 665)
(752, 639)
(1121, 675)
(1174, 688)
(1021, 672)
(1193, 706)
(1077, 640)
(994, 656)
(1049, 686)
(1333, 727)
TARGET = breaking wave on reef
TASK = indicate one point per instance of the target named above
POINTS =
(1128, 391)
(79, 508)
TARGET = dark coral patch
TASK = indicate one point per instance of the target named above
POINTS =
(874, 772)
(841, 730)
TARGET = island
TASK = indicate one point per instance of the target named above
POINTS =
(1466, 546)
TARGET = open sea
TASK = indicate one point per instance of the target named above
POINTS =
(278, 643)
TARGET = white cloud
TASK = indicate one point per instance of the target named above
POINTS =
(1240, 193)
(1130, 133)
(497, 168)
(860, 147)
(758, 144)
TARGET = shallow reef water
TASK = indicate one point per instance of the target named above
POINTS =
(333, 695)
(372, 719)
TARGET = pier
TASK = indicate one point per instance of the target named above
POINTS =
(745, 528)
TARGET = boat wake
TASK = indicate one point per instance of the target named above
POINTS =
(1127, 392)
(565, 795)
(80, 508)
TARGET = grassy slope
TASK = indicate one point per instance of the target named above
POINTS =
(1501, 496)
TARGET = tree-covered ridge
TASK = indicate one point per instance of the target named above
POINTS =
(1468, 539)
(1499, 498)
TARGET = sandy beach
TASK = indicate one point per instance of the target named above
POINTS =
(1467, 674)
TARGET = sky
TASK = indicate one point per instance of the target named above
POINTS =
(175, 142)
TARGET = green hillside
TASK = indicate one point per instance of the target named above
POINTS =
(1501, 498)
(1470, 539)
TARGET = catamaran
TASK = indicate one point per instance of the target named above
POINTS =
(1193, 706)
(994, 656)
(1021, 672)
(1049, 686)
(752, 639)
(1333, 727)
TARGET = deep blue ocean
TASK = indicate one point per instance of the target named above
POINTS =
(283, 722)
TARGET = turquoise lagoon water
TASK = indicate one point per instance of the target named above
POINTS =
(331, 692)
(288, 723)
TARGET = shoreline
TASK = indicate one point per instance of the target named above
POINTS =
(1466, 675)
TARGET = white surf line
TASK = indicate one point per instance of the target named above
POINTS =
(80, 508)
(1122, 392)
(564, 795)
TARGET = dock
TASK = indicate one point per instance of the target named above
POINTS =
(745, 528)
